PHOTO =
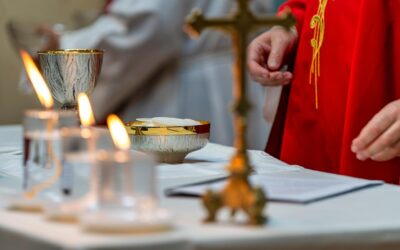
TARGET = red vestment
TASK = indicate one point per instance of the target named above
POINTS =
(359, 75)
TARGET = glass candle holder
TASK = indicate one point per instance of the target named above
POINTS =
(79, 148)
(41, 141)
(42, 165)
(126, 200)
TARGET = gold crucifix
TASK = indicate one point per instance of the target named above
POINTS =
(238, 192)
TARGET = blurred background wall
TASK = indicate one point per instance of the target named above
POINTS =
(69, 12)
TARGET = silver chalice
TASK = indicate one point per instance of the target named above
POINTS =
(69, 72)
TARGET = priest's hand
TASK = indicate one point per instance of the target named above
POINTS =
(379, 140)
(266, 54)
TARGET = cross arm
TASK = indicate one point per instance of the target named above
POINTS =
(287, 21)
(196, 22)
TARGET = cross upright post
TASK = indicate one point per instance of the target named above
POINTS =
(238, 193)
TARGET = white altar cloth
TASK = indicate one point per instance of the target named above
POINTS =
(366, 219)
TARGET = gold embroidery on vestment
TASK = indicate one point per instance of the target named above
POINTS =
(318, 25)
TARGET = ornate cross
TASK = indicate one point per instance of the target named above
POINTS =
(238, 193)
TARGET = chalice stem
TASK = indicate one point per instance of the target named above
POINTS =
(69, 106)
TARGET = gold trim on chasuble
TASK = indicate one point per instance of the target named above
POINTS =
(318, 25)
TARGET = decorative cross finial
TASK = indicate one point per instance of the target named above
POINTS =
(238, 193)
(241, 21)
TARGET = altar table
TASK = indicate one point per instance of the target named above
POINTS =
(365, 219)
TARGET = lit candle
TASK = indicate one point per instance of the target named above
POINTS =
(87, 120)
(81, 146)
(49, 118)
(85, 111)
(118, 132)
(119, 206)
(39, 84)
(122, 159)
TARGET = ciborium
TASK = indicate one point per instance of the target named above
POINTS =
(169, 143)
(70, 72)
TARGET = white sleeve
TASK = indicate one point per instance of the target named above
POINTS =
(139, 38)
(91, 36)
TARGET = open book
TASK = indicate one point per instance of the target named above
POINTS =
(280, 181)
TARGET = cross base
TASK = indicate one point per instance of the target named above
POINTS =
(238, 194)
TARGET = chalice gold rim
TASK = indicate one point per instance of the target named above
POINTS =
(71, 51)
(139, 128)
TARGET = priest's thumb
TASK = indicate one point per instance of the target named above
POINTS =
(276, 55)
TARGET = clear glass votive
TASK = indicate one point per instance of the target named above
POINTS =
(42, 164)
(122, 175)
(79, 148)
(126, 199)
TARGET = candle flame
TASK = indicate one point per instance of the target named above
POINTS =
(118, 132)
(85, 110)
(39, 84)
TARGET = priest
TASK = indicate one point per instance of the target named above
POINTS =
(339, 110)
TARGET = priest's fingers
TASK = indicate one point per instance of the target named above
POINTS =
(280, 78)
(256, 61)
(257, 72)
(274, 79)
(260, 53)
(388, 153)
(279, 46)
(375, 127)
(386, 140)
